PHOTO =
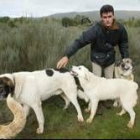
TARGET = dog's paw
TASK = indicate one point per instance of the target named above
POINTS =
(118, 114)
(89, 120)
(87, 110)
(65, 107)
(130, 125)
(80, 119)
(121, 113)
(39, 131)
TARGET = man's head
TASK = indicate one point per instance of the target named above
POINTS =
(107, 15)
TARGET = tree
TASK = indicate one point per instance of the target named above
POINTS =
(4, 19)
(66, 22)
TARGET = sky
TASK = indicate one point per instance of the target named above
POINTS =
(39, 8)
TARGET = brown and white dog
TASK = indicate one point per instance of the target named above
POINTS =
(18, 123)
(31, 88)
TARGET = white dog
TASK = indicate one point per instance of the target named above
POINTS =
(99, 88)
(30, 88)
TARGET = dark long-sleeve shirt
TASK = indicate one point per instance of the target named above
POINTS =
(102, 42)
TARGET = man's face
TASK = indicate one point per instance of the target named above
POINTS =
(107, 19)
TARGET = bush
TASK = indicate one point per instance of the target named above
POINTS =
(40, 43)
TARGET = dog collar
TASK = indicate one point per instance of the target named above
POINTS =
(78, 83)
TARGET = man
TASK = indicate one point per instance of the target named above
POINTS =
(103, 37)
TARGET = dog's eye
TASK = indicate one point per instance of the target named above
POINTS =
(79, 68)
(1, 89)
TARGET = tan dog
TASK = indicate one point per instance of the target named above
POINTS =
(16, 126)
(124, 70)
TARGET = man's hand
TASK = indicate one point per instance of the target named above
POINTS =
(62, 62)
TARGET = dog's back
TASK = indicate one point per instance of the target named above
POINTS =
(18, 123)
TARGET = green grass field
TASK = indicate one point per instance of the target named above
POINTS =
(62, 124)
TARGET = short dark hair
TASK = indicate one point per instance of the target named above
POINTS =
(106, 8)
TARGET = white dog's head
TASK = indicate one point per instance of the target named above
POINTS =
(80, 72)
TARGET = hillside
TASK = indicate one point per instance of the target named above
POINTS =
(94, 15)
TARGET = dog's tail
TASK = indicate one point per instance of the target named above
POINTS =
(18, 123)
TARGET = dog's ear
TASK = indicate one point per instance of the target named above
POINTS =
(130, 60)
(7, 82)
(86, 76)
(117, 63)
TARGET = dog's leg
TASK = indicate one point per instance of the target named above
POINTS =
(67, 101)
(87, 110)
(132, 115)
(83, 96)
(76, 104)
(40, 117)
(94, 104)
(72, 95)
(122, 112)
(27, 109)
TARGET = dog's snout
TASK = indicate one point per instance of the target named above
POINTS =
(72, 66)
